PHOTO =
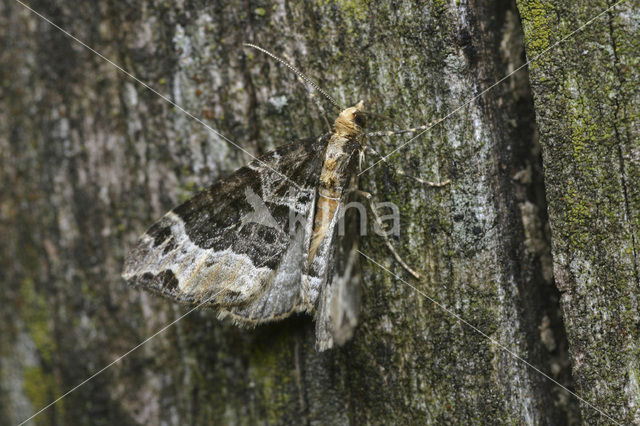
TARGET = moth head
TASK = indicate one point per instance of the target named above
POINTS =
(351, 121)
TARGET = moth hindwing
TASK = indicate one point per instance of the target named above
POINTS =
(264, 242)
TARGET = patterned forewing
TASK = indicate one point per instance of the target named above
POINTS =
(239, 245)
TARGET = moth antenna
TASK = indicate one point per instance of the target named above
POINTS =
(402, 132)
(298, 73)
(314, 97)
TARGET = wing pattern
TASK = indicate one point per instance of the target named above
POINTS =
(241, 244)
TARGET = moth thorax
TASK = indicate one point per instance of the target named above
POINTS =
(350, 122)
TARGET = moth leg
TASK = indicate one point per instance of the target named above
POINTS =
(367, 196)
(401, 172)
(361, 155)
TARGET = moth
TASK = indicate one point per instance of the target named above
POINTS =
(273, 239)
(263, 243)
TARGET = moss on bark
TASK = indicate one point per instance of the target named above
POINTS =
(587, 104)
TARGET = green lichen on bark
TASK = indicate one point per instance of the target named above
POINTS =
(38, 381)
(538, 18)
(585, 105)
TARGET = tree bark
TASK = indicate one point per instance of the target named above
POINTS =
(587, 106)
(90, 158)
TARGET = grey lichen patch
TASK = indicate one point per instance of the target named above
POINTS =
(278, 102)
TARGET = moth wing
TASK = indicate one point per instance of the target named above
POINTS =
(240, 243)
(339, 300)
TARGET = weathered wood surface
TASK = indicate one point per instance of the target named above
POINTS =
(588, 108)
(89, 159)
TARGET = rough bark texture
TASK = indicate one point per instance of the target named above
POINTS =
(588, 108)
(89, 159)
